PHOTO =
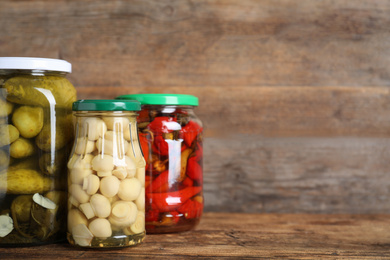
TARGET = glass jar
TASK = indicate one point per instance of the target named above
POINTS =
(171, 137)
(106, 176)
(35, 111)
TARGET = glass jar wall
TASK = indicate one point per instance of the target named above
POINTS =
(171, 137)
(106, 176)
(35, 142)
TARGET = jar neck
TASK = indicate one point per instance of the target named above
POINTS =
(105, 113)
(10, 72)
(168, 108)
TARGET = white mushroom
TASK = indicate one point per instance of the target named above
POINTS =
(43, 201)
(73, 202)
(78, 193)
(109, 186)
(129, 189)
(104, 174)
(6, 225)
(86, 208)
(78, 175)
(130, 167)
(94, 128)
(140, 175)
(84, 146)
(123, 213)
(117, 123)
(103, 163)
(91, 184)
(100, 205)
(80, 161)
(81, 235)
(116, 146)
(140, 201)
(100, 227)
(120, 173)
(113, 199)
(138, 226)
(75, 217)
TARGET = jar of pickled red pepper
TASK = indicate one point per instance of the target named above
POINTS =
(35, 142)
(106, 176)
(171, 137)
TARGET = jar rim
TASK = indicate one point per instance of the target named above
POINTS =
(32, 63)
(162, 99)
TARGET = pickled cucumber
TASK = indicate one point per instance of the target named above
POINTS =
(8, 134)
(40, 91)
(63, 131)
(22, 148)
(53, 164)
(5, 108)
(4, 159)
(24, 181)
(28, 120)
(21, 207)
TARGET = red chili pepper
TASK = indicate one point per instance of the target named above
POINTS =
(190, 131)
(188, 182)
(160, 146)
(162, 124)
(160, 180)
(143, 140)
(194, 170)
(170, 201)
(191, 209)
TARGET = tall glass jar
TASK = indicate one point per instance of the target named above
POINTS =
(35, 114)
(106, 176)
(171, 137)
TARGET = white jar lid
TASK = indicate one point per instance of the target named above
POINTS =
(24, 63)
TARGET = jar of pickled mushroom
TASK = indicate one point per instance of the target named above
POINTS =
(171, 138)
(35, 115)
(106, 176)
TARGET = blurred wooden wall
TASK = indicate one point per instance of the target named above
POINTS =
(295, 95)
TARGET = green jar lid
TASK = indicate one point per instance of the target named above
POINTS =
(162, 99)
(106, 105)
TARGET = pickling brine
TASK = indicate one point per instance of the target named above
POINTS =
(106, 176)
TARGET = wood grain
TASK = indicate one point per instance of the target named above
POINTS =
(207, 42)
(247, 236)
(294, 95)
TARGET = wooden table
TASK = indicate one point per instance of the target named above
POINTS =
(238, 235)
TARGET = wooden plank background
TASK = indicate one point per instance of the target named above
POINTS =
(295, 95)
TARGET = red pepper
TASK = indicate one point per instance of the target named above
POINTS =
(143, 140)
(160, 146)
(159, 181)
(194, 170)
(190, 131)
(170, 201)
(191, 209)
(162, 125)
(188, 182)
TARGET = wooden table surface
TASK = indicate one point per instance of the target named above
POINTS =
(239, 235)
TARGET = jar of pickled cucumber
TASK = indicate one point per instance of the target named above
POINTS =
(106, 176)
(171, 137)
(35, 142)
